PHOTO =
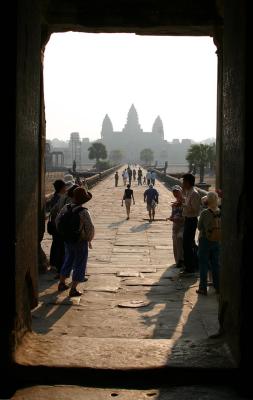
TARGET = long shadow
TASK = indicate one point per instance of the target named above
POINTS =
(140, 228)
(187, 320)
(51, 309)
(115, 225)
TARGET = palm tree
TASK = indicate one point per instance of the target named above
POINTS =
(97, 151)
(197, 157)
(147, 155)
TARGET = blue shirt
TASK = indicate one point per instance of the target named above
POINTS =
(151, 194)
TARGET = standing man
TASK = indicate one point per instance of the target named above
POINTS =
(148, 177)
(191, 210)
(130, 174)
(151, 197)
(153, 177)
(134, 174)
(116, 177)
(139, 176)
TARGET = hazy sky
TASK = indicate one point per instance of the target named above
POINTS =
(89, 75)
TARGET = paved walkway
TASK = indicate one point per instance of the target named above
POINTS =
(130, 265)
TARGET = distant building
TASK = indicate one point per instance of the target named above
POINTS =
(132, 140)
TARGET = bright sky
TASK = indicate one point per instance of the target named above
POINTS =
(90, 75)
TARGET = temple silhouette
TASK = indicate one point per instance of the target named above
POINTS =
(132, 140)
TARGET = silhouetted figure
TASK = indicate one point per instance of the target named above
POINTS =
(74, 166)
(139, 177)
(130, 174)
(134, 174)
(116, 177)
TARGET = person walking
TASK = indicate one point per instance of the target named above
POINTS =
(116, 177)
(209, 226)
(130, 174)
(125, 177)
(139, 176)
(153, 177)
(191, 210)
(127, 197)
(148, 177)
(178, 225)
(77, 240)
(134, 174)
(151, 196)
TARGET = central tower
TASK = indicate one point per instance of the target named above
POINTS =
(132, 126)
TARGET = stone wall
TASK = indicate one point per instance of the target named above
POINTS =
(236, 269)
(27, 162)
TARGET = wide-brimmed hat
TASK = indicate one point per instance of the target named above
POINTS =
(81, 195)
(69, 184)
(177, 188)
(69, 178)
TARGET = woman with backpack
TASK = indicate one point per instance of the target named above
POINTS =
(75, 226)
(209, 225)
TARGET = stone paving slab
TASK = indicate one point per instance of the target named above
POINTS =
(62, 392)
(142, 251)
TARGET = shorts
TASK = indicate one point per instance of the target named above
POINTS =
(151, 206)
(128, 203)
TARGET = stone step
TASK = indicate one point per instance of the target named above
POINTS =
(121, 354)
(63, 392)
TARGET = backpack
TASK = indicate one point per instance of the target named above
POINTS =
(68, 223)
(214, 233)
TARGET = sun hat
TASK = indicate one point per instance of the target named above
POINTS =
(177, 188)
(69, 185)
(81, 196)
(69, 178)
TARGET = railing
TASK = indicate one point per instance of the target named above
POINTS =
(170, 181)
(95, 179)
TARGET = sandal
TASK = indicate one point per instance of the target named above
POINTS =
(74, 293)
(202, 291)
(62, 286)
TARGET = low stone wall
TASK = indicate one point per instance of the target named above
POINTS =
(170, 181)
(95, 179)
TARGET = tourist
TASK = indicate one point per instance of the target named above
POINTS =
(153, 177)
(178, 225)
(134, 174)
(191, 209)
(128, 196)
(139, 176)
(148, 177)
(116, 178)
(76, 253)
(125, 177)
(144, 180)
(130, 174)
(57, 247)
(151, 196)
(60, 189)
(209, 225)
